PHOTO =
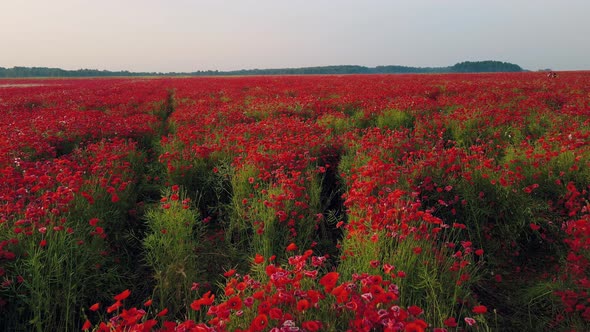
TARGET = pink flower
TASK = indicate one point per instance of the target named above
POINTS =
(470, 321)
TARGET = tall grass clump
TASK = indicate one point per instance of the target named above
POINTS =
(175, 234)
(395, 119)
(268, 215)
(196, 172)
(436, 276)
(74, 244)
(338, 123)
(58, 268)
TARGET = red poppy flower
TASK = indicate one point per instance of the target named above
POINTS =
(114, 198)
(149, 324)
(416, 326)
(275, 313)
(94, 307)
(450, 322)
(302, 305)
(196, 305)
(114, 307)
(480, 309)
(87, 325)
(258, 295)
(259, 323)
(123, 295)
(229, 273)
(235, 303)
(241, 286)
(264, 307)
(292, 247)
(341, 293)
(329, 281)
(376, 290)
(258, 259)
(169, 326)
(311, 326)
(415, 310)
(270, 270)
(207, 299)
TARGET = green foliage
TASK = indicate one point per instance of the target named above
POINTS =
(58, 278)
(361, 120)
(429, 279)
(77, 260)
(240, 229)
(536, 125)
(196, 175)
(395, 119)
(338, 124)
(351, 117)
(175, 232)
(494, 211)
(255, 225)
(271, 236)
(467, 132)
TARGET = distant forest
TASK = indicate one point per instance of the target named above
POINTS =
(462, 67)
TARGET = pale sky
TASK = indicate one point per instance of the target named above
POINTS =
(184, 35)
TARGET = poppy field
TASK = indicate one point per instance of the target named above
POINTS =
(451, 202)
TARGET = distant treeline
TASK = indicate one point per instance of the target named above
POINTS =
(58, 72)
(462, 67)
